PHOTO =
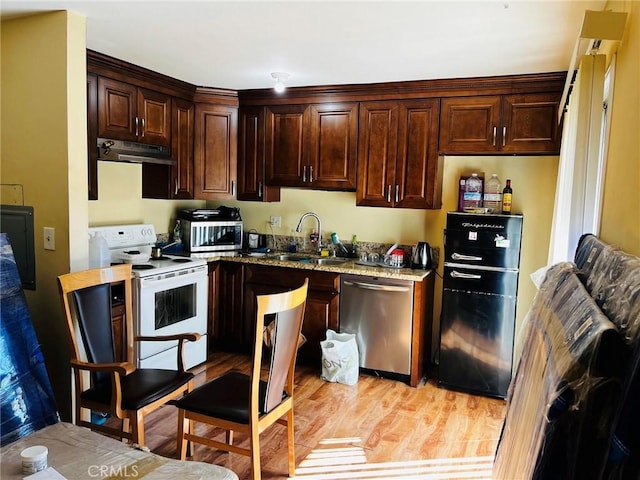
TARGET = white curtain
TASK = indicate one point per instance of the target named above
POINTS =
(577, 201)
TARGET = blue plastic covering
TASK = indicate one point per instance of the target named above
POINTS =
(27, 399)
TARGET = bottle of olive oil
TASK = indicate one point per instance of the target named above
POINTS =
(507, 195)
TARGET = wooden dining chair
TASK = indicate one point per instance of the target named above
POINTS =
(103, 382)
(237, 402)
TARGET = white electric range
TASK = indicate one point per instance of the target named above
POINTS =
(169, 295)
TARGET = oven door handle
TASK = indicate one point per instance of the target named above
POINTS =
(174, 277)
(190, 337)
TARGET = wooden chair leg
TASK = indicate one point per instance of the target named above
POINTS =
(254, 445)
(126, 427)
(190, 443)
(137, 429)
(183, 427)
(291, 444)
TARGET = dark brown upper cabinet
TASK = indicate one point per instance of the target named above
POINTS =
(216, 137)
(251, 160)
(130, 113)
(333, 142)
(398, 163)
(312, 146)
(174, 181)
(92, 135)
(182, 146)
(500, 124)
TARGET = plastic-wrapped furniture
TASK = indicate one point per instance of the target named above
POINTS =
(573, 402)
(563, 397)
(28, 403)
(612, 277)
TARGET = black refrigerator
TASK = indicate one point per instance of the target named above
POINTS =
(480, 286)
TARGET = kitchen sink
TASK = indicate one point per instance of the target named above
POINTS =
(328, 261)
(302, 258)
(291, 257)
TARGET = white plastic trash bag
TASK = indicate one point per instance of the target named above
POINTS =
(340, 361)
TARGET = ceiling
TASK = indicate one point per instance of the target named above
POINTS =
(237, 44)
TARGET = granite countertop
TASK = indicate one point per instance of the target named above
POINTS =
(349, 266)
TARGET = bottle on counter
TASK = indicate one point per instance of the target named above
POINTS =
(177, 232)
(493, 195)
(473, 192)
(461, 195)
(99, 255)
(507, 195)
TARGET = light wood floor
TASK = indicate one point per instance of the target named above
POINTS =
(378, 428)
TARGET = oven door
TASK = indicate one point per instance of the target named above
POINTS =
(169, 304)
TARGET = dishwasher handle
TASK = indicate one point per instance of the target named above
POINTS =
(377, 287)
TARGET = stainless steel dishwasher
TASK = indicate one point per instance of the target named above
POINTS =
(379, 312)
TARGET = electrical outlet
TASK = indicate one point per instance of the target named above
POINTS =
(49, 238)
(275, 221)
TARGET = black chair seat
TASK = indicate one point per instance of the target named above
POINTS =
(224, 397)
(140, 388)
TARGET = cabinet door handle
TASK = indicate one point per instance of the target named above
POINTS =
(136, 126)
(495, 131)
(233, 188)
(397, 192)
(304, 174)
(470, 276)
(504, 136)
(142, 123)
(310, 173)
(389, 193)
(259, 189)
(176, 187)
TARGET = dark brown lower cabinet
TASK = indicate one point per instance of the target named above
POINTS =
(322, 307)
(226, 328)
(236, 287)
(118, 330)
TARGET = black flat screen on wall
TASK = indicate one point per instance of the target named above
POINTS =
(17, 222)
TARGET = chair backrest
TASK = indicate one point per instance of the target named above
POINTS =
(86, 300)
(287, 309)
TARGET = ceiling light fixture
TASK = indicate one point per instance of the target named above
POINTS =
(280, 78)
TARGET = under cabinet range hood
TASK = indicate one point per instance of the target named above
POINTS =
(132, 152)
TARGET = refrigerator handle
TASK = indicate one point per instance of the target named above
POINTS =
(460, 256)
(470, 276)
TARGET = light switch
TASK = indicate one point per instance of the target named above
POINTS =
(49, 238)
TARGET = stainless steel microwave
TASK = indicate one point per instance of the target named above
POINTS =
(212, 236)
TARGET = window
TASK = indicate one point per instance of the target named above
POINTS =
(582, 158)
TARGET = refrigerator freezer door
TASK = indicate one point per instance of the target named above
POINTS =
(483, 240)
(477, 330)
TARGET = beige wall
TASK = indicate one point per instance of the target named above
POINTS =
(621, 204)
(120, 199)
(44, 150)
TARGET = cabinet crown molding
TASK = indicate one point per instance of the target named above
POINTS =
(106, 66)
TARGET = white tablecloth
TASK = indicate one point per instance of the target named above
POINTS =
(80, 454)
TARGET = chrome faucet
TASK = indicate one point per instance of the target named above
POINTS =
(314, 215)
